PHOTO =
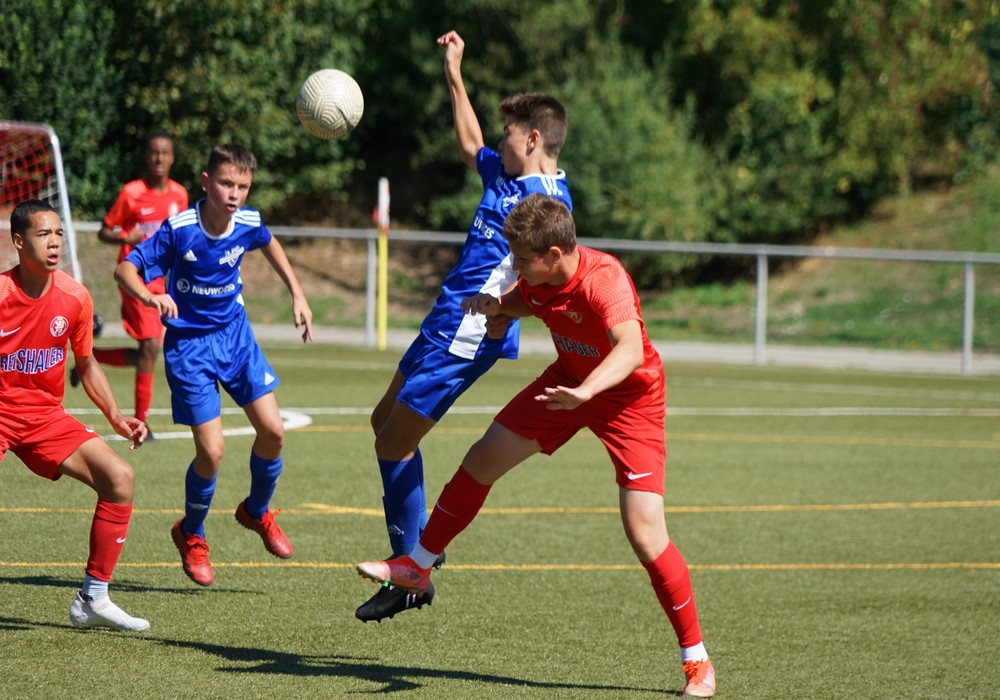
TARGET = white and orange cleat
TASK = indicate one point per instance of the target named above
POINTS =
(700, 679)
(401, 572)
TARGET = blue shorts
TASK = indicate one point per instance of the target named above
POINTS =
(435, 378)
(196, 365)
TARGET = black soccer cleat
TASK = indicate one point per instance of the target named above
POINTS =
(74, 378)
(391, 600)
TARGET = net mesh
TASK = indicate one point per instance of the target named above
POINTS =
(31, 168)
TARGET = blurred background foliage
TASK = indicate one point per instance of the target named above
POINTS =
(695, 120)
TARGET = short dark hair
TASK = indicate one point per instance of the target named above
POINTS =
(233, 153)
(20, 218)
(536, 110)
(540, 222)
(156, 134)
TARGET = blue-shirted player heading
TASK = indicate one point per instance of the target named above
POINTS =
(209, 342)
(454, 349)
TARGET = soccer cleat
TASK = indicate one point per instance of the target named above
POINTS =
(103, 613)
(194, 555)
(74, 378)
(274, 539)
(700, 679)
(401, 572)
(391, 600)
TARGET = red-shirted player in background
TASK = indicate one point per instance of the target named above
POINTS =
(141, 206)
(608, 378)
(41, 310)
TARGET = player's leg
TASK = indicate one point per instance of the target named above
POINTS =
(642, 516)
(97, 465)
(401, 468)
(398, 431)
(144, 325)
(195, 401)
(266, 464)
(145, 365)
(496, 453)
(188, 533)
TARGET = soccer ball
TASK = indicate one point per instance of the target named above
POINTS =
(330, 104)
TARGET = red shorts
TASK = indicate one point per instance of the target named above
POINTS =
(140, 321)
(631, 427)
(43, 439)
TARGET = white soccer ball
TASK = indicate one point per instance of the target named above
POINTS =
(330, 104)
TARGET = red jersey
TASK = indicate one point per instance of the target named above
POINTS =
(33, 339)
(580, 313)
(139, 204)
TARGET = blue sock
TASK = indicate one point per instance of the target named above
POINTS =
(198, 494)
(264, 475)
(403, 502)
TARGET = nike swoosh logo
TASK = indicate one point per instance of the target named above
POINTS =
(120, 540)
(632, 476)
(4, 334)
(678, 607)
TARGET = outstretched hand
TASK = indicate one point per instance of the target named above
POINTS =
(302, 315)
(562, 398)
(131, 429)
(163, 303)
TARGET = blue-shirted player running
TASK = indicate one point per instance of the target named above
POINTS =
(209, 342)
(454, 348)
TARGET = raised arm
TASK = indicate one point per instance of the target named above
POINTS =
(467, 129)
(301, 313)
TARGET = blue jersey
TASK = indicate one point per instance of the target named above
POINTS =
(485, 263)
(203, 270)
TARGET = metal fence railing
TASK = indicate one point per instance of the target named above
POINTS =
(762, 253)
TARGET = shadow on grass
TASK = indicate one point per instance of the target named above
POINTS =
(267, 661)
(118, 585)
(392, 679)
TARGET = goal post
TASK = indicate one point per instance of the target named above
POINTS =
(31, 167)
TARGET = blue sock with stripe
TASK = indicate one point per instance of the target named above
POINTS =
(198, 494)
(264, 475)
(404, 502)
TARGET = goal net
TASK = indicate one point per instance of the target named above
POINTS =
(31, 168)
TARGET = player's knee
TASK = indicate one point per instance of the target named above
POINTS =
(272, 436)
(647, 542)
(149, 349)
(115, 481)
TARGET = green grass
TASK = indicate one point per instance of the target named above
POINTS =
(841, 530)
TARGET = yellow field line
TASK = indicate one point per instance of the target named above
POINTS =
(831, 566)
(324, 509)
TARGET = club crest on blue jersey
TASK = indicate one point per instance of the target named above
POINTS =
(232, 256)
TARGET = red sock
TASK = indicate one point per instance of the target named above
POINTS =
(143, 394)
(456, 507)
(115, 357)
(107, 537)
(672, 582)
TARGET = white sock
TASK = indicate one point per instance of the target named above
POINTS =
(422, 557)
(93, 588)
(695, 653)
